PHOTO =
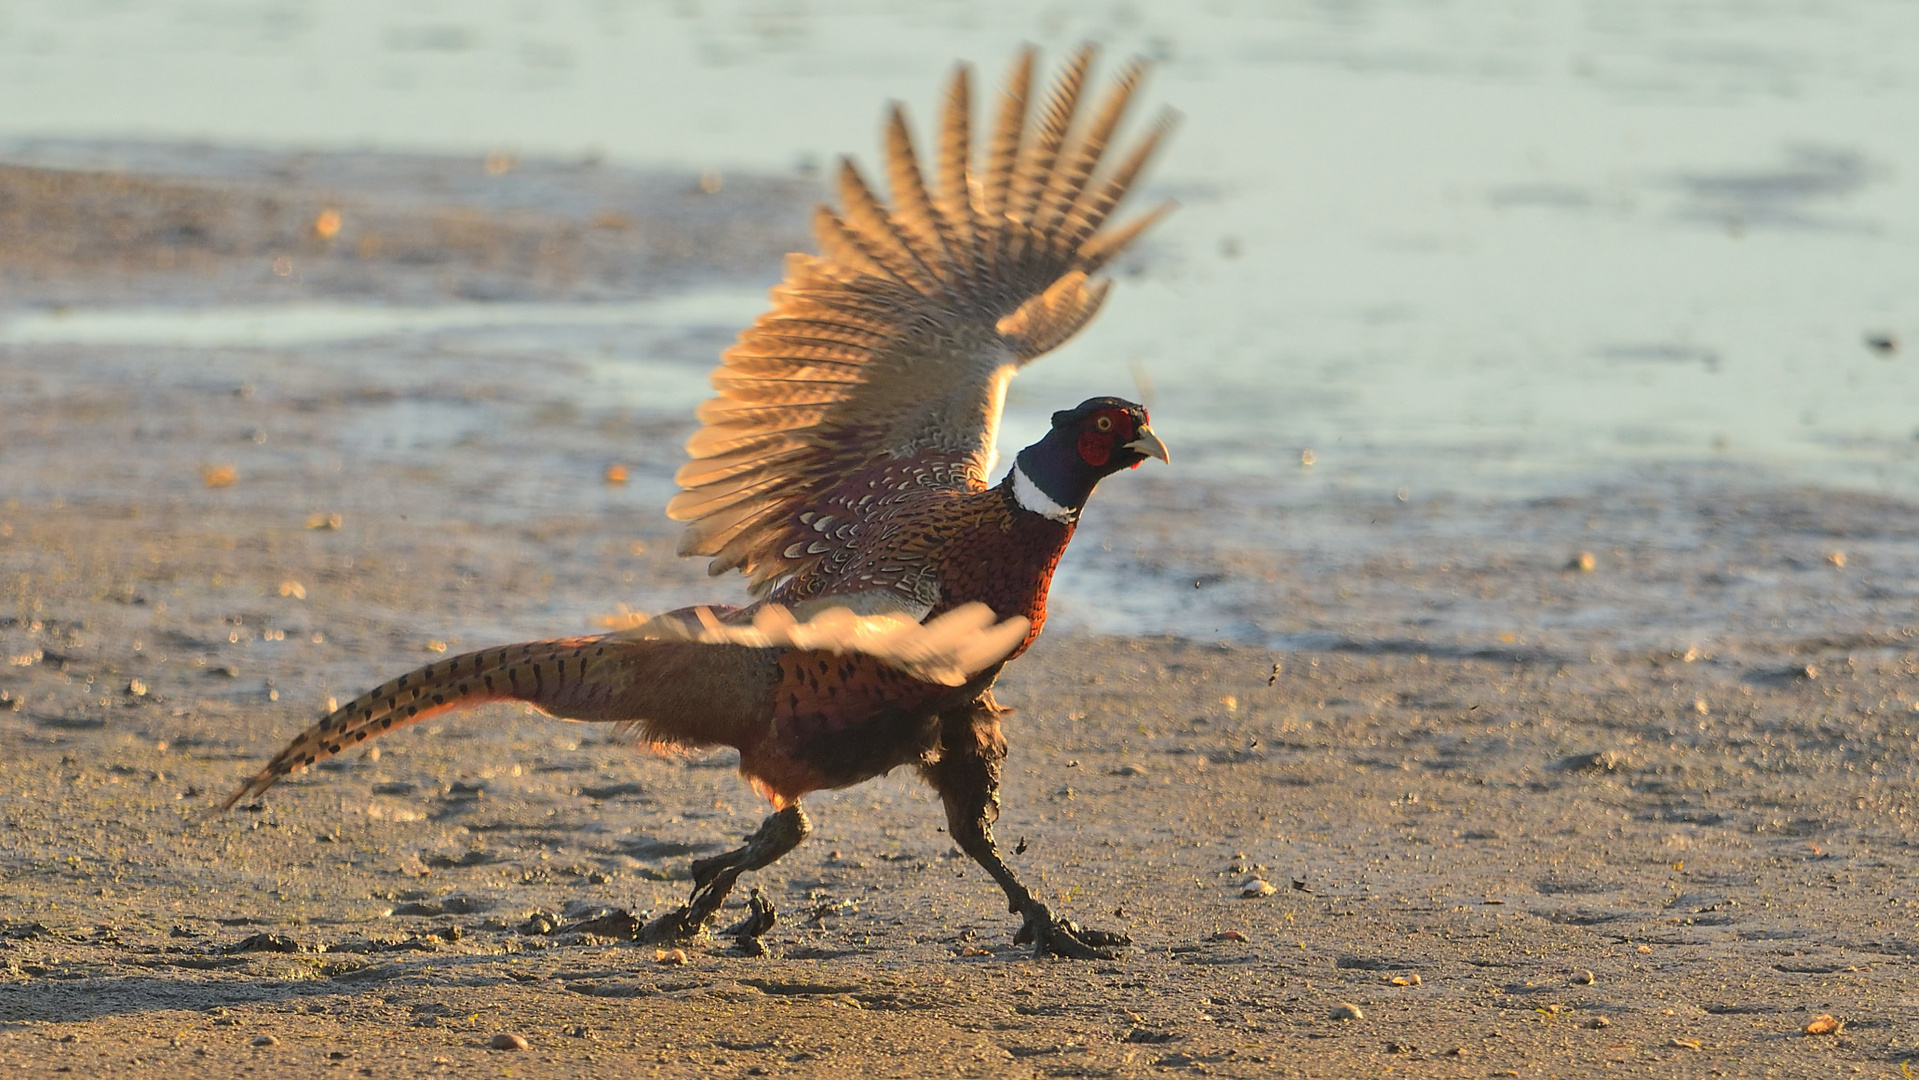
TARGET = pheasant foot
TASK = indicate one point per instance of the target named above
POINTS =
(713, 878)
(1051, 935)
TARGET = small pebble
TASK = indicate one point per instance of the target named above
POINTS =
(1685, 1044)
(1582, 977)
(1837, 559)
(265, 1040)
(1255, 887)
(670, 957)
(1824, 1025)
(506, 1040)
(1131, 770)
(1346, 1010)
(1599, 1022)
(1582, 562)
(1404, 980)
(136, 688)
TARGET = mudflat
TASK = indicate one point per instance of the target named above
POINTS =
(1371, 846)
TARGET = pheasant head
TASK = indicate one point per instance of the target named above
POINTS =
(1055, 476)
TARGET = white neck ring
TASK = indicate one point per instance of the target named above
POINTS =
(1029, 497)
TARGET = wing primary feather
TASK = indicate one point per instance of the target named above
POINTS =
(869, 219)
(1101, 249)
(1069, 182)
(843, 246)
(955, 193)
(1003, 157)
(919, 222)
(1036, 163)
(1092, 213)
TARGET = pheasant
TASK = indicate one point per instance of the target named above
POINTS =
(843, 468)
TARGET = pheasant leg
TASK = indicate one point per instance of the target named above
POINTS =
(967, 778)
(713, 877)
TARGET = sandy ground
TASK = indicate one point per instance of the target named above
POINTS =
(1458, 830)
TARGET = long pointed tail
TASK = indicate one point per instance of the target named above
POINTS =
(695, 677)
(538, 672)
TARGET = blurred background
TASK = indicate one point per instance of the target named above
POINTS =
(1471, 257)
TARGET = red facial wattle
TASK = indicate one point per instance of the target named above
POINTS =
(1100, 433)
(1095, 446)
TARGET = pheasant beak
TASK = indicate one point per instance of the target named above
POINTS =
(1147, 443)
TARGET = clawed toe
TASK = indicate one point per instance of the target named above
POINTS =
(746, 933)
(1053, 936)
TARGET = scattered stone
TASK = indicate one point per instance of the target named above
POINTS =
(1256, 887)
(1601, 761)
(619, 924)
(265, 1040)
(1582, 977)
(1684, 1044)
(670, 957)
(1583, 562)
(1148, 1036)
(136, 688)
(1836, 559)
(1230, 935)
(1131, 770)
(540, 924)
(279, 943)
(1823, 1025)
(1598, 1022)
(1404, 980)
(506, 1040)
(1346, 1010)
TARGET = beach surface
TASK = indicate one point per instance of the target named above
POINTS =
(1616, 781)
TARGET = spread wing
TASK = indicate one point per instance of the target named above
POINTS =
(897, 341)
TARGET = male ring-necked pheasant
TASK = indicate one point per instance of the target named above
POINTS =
(843, 467)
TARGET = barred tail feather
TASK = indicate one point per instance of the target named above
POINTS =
(538, 672)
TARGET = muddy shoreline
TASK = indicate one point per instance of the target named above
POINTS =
(1457, 758)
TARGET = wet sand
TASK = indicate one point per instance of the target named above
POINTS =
(1471, 772)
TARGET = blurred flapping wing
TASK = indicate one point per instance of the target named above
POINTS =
(896, 342)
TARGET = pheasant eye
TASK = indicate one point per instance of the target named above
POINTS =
(1104, 423)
